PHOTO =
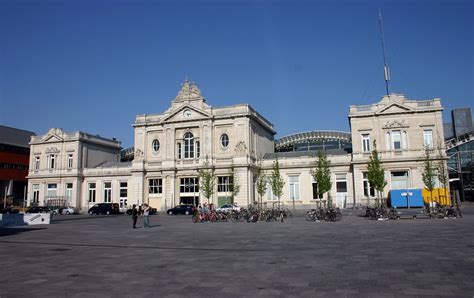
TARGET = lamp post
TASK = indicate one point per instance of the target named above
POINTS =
(188, 186)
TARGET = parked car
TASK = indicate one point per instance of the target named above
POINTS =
(153, 211)
(8, 210)
(66, 210)
(104, 208)
(38, 209)
(228, 207)
(181, 209)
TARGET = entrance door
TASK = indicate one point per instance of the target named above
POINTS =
(189, 200)
(341, 190)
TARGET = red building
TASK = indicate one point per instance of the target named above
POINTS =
(14, 162)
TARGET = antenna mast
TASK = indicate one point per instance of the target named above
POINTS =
(385, 66)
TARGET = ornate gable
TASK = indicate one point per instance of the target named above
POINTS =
(54, 135)
(394, 108)
(186, 112)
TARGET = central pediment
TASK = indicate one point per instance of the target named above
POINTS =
(394, 108)
(186, 112)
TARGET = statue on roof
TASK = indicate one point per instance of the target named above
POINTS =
(189, 91)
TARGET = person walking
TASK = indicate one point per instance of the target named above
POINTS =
(134, 216)
(146, 216)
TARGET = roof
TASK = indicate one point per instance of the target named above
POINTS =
(303, 153)
(15, 137)
(314, 135)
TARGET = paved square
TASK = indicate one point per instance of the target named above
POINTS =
(103, 256)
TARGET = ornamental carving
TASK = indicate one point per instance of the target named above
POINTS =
(240, 148)
(395, 124)
(138, 154)
(189, 91)
(52, 150)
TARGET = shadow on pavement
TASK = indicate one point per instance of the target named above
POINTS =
(14, 231)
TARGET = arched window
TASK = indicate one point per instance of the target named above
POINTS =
(224, 140)
(188, 145)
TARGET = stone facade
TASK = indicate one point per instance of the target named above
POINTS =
(172, 146)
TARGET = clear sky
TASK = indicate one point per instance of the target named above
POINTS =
(94, 65)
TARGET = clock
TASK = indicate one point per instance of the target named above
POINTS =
(187, 113)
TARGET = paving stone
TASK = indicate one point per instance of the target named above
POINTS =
(101, 256)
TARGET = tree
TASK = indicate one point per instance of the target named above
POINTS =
(261, 182)
(376, 173)
(277, 181)
(235, 186)
(429, 173)
(207, 180)
(441, 170)
(322, 175)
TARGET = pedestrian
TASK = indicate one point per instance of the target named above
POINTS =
(146, 216)
(134, 216)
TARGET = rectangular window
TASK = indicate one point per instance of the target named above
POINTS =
(92, 192)
(52, 191)
(396, 140)
(315, 188)
(198, 149)
(368, 189)
(341, 183)
(294, 187)
(123, 194)
(179, 150)
(155, 186)
(270, 196)
(224, 184)
(69, 161)
(366, 142)
(400, 180)
(123, 189)
(51, 161)
(36, 193)
(428, 138)
(37, 163)
(189, 185)
(68, 193)
(107, 192)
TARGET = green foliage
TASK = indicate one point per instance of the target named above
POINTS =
(261, 181)
(207, 180)
(235, 187)
(429, 172)
(376, 173)
(322, 174)
(277, 181)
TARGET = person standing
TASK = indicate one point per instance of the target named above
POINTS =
(134, 215)
(146, 216)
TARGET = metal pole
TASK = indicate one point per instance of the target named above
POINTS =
(24, 196)
(5, 198)
(460, 176)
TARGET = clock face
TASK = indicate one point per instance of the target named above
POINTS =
(187, 113)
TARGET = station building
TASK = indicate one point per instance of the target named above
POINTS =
(169, 148)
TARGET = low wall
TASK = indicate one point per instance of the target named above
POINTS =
(25, 219)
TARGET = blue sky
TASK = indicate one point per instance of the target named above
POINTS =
(94, 65)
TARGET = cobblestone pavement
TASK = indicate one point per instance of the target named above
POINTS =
(103, 256)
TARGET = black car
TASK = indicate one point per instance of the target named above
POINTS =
(104, 208)
(181, 209)
(8, 210)
(38, 209)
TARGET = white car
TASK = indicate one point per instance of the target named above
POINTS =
(66, 211)
(228, 207)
